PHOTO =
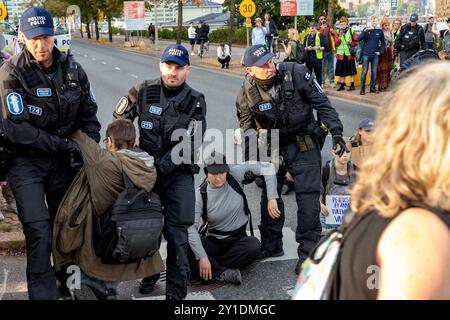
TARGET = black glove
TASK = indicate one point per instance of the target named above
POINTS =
(249, 177)
(339, 141)
(192, 168)
(71, 148)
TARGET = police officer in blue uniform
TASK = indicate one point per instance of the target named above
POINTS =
(283, 97)
(45, 96)
(165, 106)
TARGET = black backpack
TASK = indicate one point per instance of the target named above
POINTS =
(300, 55)
(204, 229)
(131, 229)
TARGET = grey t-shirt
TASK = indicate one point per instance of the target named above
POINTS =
(226, 206)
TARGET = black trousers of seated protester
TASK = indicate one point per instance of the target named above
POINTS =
(231, 252)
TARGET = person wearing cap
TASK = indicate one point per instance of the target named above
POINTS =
(410, 39)
(283, 98)
(226, 247)
(46, 96)
(258, 33)
(361, 141)
(445, 36)
(164, 107)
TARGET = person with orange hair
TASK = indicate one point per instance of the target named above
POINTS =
(386, 58)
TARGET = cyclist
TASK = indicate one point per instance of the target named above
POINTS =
(202, 36)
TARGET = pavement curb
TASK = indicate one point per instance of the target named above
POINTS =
(211, 64)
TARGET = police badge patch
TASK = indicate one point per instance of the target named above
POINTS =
(35, 110)
(265, 107)
(307, 76)
(44, 92)
(122, 105)
(15, 103)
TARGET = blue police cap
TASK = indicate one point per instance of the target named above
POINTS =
(257, 55)
(36, 22)
(414, 17)
(176, 53)
(366, 124)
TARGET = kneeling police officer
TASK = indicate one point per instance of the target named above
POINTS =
(162, 106)
(283, 98)
(46, 97)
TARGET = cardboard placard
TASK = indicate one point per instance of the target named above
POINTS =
(336, 205)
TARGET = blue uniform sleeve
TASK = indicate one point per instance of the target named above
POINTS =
(88, 113)
(15, 117)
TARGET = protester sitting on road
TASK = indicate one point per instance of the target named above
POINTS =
(258, 33)
(223, 55)
(227, 247)
(94, 191)
(399, 243)
(337, 176)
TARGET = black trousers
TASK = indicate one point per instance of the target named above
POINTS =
(305, 167)
(225, 62)
(39, 183)
(177, 195)
(405, 55)
(316, 68)
(271, 230)
(231, 252)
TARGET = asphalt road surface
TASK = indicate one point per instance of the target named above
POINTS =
(112, 73)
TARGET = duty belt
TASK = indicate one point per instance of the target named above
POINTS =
(305, 143)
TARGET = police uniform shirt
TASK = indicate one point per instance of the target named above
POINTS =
(39, 108)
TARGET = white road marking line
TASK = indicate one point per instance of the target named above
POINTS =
(202, 295)
(103, 62)
(94, 59)
(134, 76)
(85, 55)
(117, 68)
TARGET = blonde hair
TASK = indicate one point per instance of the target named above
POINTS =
(294, 33)
(410, 160)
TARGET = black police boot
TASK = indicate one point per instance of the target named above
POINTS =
(148, 284)
(264, 254)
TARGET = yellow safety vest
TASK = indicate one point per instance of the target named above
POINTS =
(344, 48)
(319, 53)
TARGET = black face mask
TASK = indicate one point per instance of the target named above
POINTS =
(267, 84)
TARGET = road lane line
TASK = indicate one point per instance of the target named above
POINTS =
(134, 76)
(117, 68)
(103, 62)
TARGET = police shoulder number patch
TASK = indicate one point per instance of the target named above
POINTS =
(155, 110)
(265, 106)
(146, 125)
(15, 103)
(35, 110)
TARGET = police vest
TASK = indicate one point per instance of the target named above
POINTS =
(52, 104)
(159, 116)
(410, 40)
(288, 112)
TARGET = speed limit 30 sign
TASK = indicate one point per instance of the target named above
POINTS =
(247, 8)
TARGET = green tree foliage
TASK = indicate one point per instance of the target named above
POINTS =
(273, 8)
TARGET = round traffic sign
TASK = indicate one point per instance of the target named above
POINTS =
(247, 8)
(248, 22)
(3, 11)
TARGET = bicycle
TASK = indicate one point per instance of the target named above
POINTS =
(204, 48)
